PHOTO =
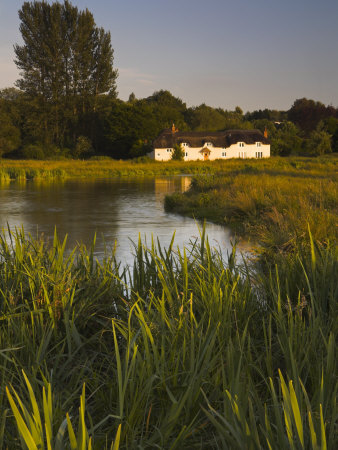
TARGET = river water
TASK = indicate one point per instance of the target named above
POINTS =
(115, 209)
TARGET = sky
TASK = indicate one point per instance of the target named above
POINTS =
(252, 53)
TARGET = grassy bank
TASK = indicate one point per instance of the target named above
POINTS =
(10, 170)
(273, 201)
(26, 169)
(185, 351)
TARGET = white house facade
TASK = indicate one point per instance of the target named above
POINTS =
(208, 146)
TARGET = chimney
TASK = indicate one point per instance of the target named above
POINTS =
(266, 133)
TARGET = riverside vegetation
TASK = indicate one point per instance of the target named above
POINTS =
(184, 350)
(272, 201)
(106, 167)
(98, 168)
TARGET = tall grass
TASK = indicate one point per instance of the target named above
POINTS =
(273, 208)
(184, 350)
(108, 167)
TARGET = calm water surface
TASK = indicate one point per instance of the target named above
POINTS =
(115, 209)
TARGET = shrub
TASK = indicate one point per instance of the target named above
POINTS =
(33, 151)
(83, 147)
(142, 160)
(178, 153)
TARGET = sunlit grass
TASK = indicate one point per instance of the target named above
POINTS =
(108, 168)
(275, 208)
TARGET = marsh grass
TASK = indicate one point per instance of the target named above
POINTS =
(296, 166)
(272, 206)
(184, 350)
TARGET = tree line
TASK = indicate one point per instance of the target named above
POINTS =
(66, 105)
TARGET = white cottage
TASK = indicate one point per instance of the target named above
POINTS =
(209, 145)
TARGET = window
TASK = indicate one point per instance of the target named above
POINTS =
(242, 155)
(241, 144)
(208, 144)
(186, 154)
(185, 144)
(169, 150)
(224, 153)
(158, 154)
(258, 144)
(259, 154)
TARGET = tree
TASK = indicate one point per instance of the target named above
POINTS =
(132, 98)
(330, 125)
(318, 143)
(66, 62)
(178, 153)
(83, 147)
(10, 135)
(167, 109)
(307, 113)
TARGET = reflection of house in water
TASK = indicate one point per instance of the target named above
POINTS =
(168, 185)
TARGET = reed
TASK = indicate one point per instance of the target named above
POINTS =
(183, 350)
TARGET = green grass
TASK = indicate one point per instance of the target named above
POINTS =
(25, 169)
(184, 350)
(272, 202)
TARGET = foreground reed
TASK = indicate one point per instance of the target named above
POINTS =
(183, 350)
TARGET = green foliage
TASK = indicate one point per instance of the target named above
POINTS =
(36, 430)
(140, 148)
(83, 147)
(178, 153)
(33, 151)
(10, 135)
(285, 140)
(307, 113)
(267, 114)
(66, 64)
(204, 117)
(318, 143)
(184, 350)
(271, 201)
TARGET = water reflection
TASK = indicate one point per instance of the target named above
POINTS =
(115, 209)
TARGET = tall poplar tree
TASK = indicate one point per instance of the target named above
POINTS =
(65, 63)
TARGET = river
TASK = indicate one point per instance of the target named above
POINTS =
(117, 209)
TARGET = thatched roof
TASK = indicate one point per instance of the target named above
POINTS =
(218, 138)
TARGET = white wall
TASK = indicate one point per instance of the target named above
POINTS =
(234, 151)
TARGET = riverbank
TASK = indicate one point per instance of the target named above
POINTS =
(103, 168)
(186, 351)
(274, 203)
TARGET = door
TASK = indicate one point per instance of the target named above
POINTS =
(206, 156)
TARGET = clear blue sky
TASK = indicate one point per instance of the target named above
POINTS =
(251, 53)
